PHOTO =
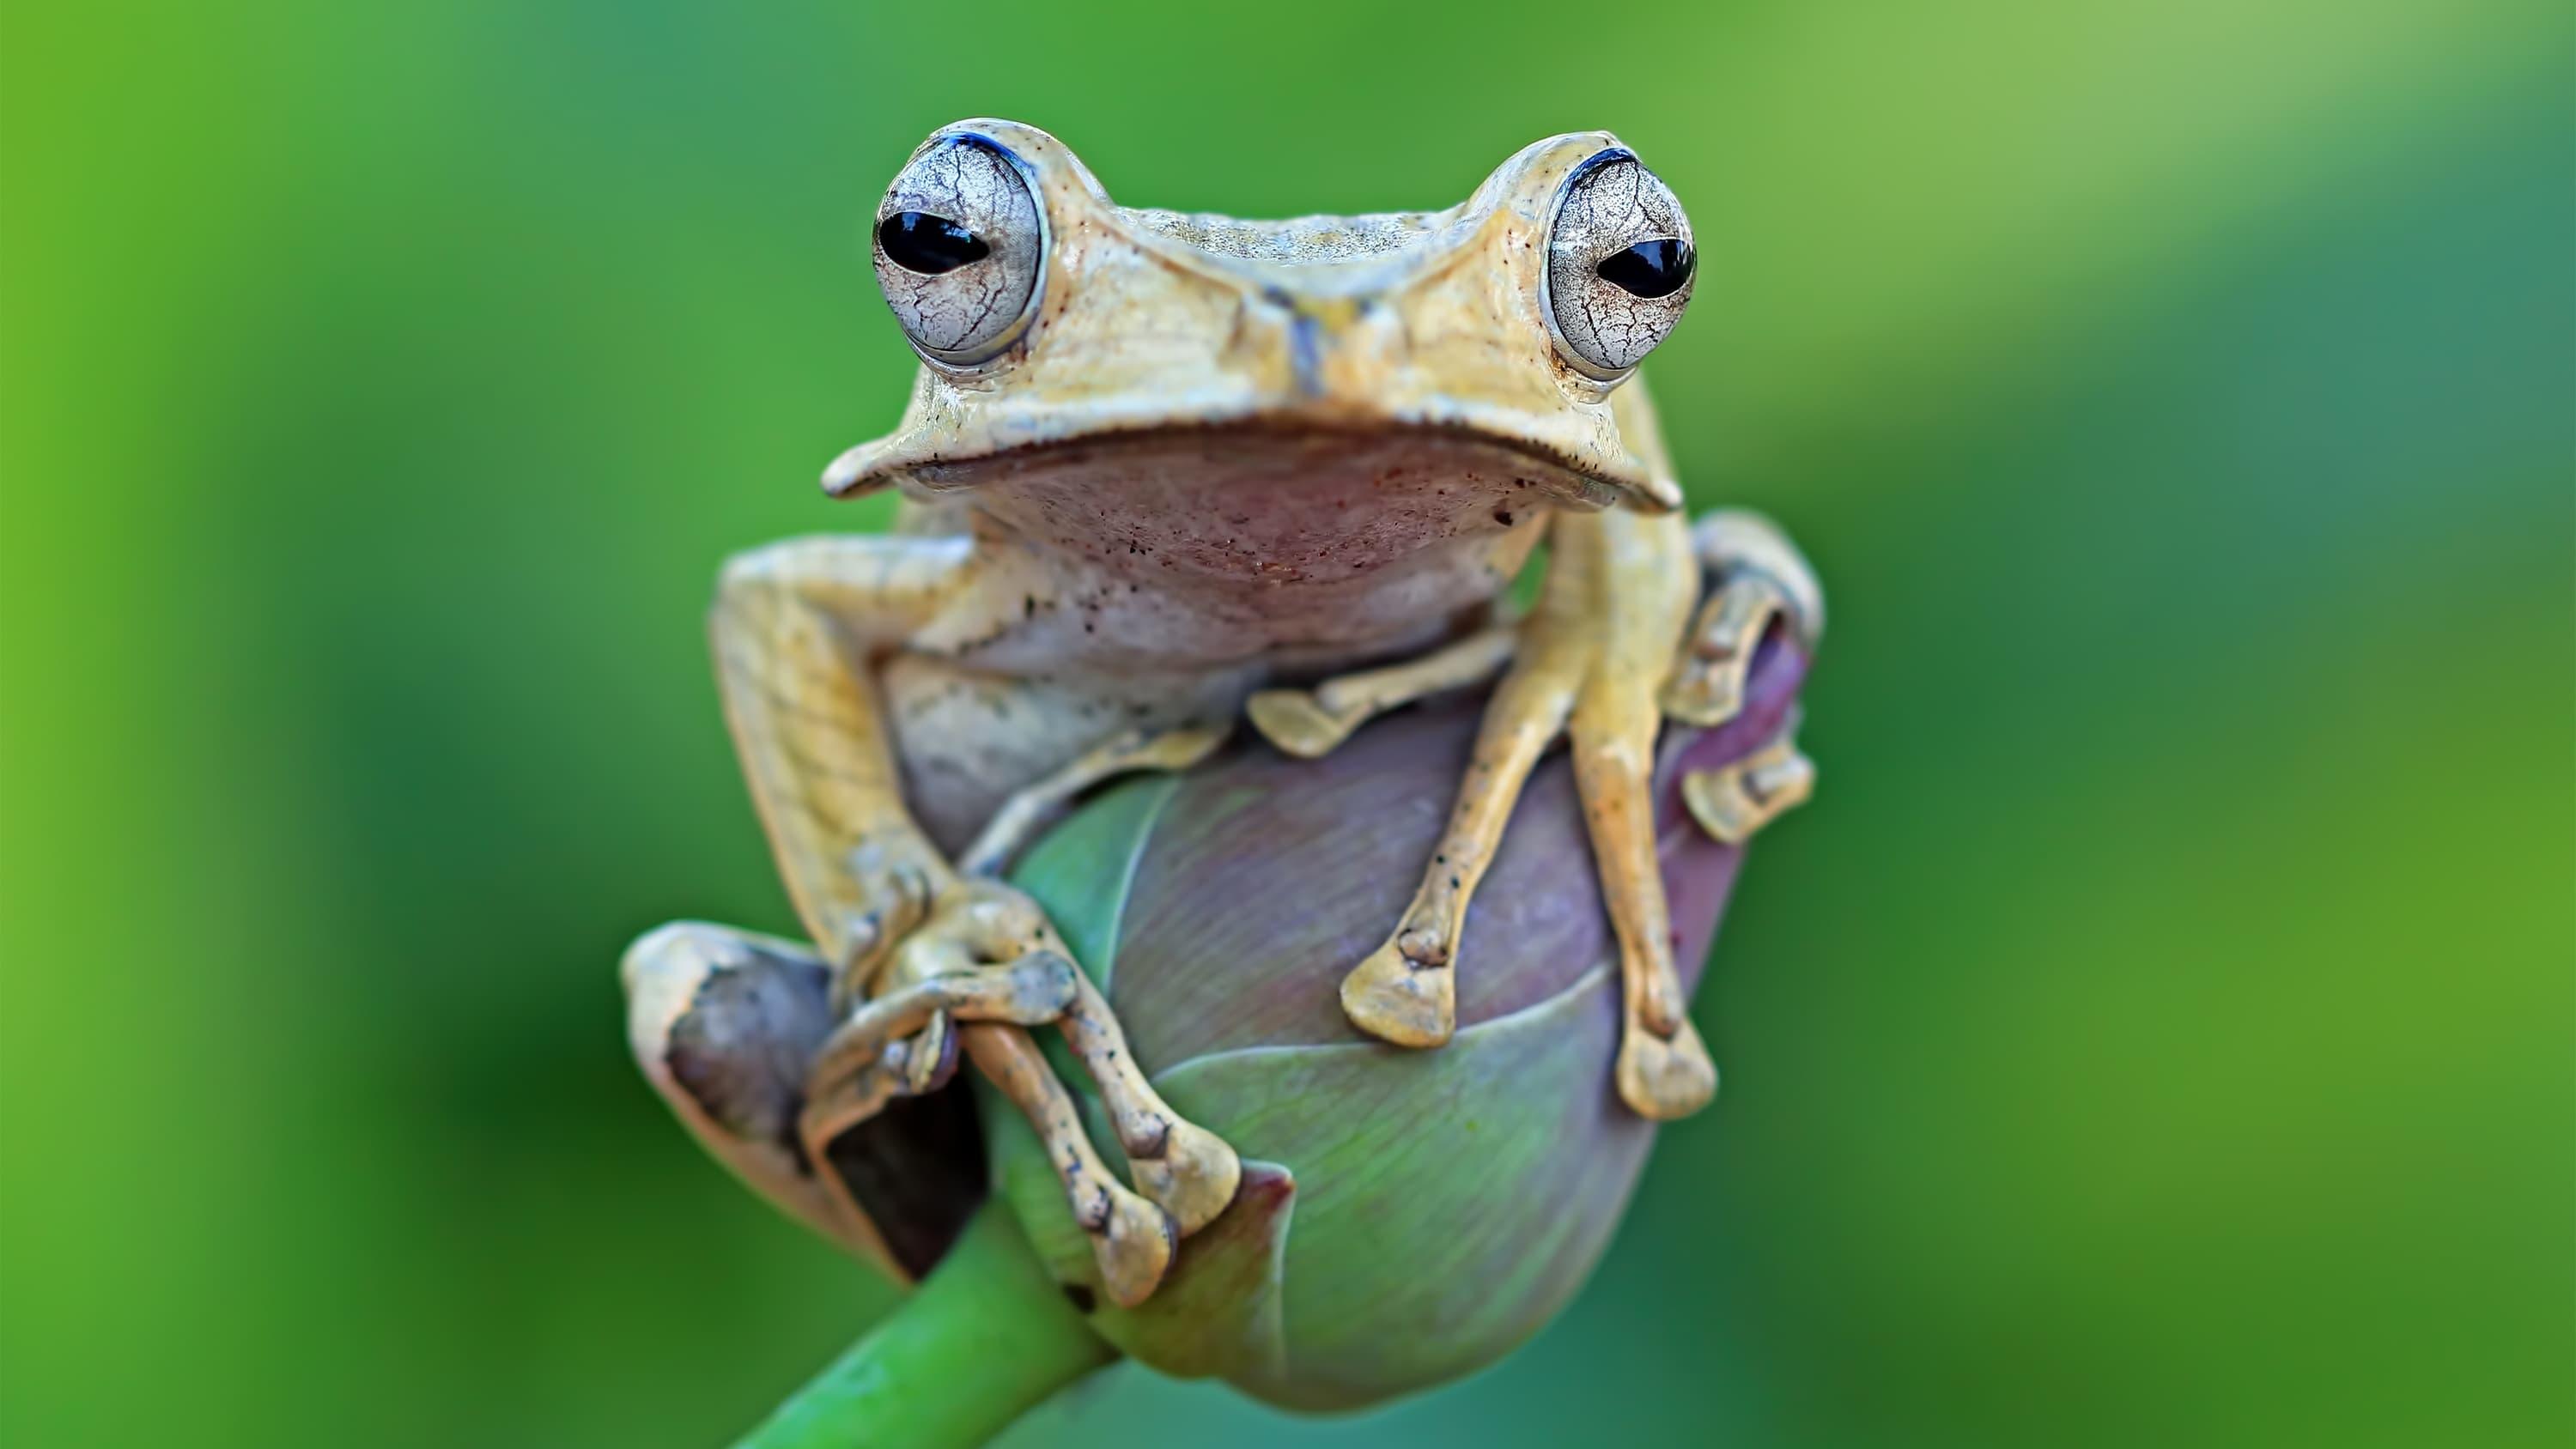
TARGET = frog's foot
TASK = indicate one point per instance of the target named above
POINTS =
(1031, 991)
(1311, 723)
(1734, 801)
(889, 898)
(1132, 1240)
(986, 955)
(1029, 810)
(1756, 581)
(1404, 991)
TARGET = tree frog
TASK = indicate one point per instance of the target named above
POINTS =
(1161, 473)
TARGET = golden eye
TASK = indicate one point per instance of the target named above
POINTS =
(1619, 266)
(959, 245)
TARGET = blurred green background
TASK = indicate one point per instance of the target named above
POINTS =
(2158, 1032)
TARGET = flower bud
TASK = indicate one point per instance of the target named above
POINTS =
(1406, 1217)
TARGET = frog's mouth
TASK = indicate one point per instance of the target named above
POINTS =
(1269, 501)
(1402, 459)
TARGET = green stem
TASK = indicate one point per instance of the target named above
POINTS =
(987, 1337)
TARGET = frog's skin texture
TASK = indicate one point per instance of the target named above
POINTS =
(1162, 472)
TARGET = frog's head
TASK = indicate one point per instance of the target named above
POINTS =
(1068, 339)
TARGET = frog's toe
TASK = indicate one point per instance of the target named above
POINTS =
(1191, 1174)
(1294, 721)
(919, 1017)
(1399, 996)
(1663, 1078)
(1133, 1242)
(1730, 803)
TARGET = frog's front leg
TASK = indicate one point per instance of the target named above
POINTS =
(1310, 723)
(798, 630)
(1647, 584)
(1616, 593)
(1598, 660)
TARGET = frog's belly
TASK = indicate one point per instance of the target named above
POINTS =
(968, 737)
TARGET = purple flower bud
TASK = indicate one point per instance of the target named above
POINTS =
(1406, 1217)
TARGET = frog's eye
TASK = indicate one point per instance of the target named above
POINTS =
(959, 239)
(1619, 265)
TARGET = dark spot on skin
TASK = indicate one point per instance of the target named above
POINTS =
(1305, 357)
(1080, 1297)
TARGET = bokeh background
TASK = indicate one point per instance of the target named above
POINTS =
(2158, 1032)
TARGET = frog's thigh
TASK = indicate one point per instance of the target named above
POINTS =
(721, 1023)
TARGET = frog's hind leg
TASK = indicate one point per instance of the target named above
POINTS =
(1312, 723)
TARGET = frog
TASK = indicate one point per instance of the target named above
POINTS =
(1163, 475)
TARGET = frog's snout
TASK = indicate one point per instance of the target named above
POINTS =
(1337, 344)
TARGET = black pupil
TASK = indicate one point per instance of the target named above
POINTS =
(920, 242)
(1656, 268)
